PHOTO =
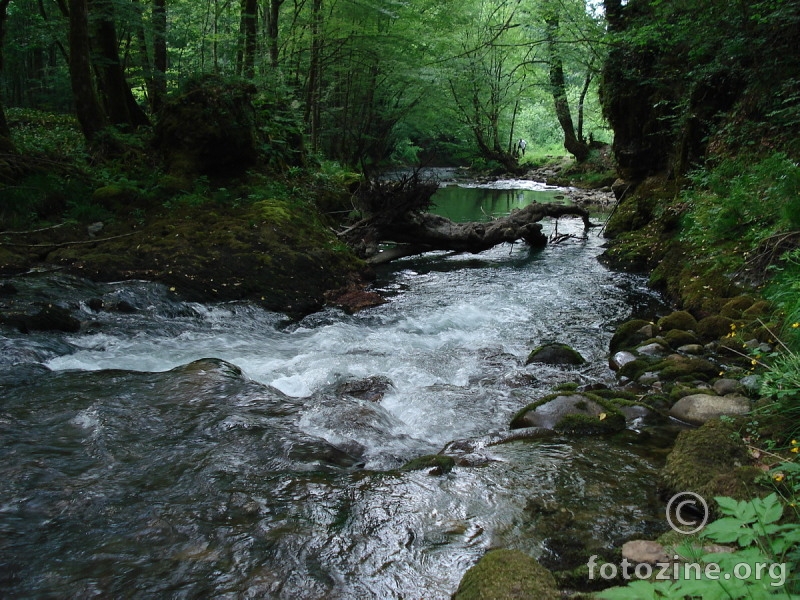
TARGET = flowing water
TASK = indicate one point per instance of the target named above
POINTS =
(218, 450)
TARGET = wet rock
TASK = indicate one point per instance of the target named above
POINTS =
(701, 408)
(647, 378)
(95, 304)
(49, 318)
(653, 349)
(437, 464)
(8, 289)
(124, 307)
(372, 389)
(574, 413)
(555, 354)
(677, 320)
(620, 359)
(507, 574)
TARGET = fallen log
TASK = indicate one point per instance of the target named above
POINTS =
(418, 232)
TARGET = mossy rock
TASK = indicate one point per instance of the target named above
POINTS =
(700, 456)
(680, 319)
(630, 334)
(579, 413)
(678, 337)
(555, 354)
(733, 309)
(437, 463)
(634, 369)
(680, 367)
(762, 308)
(714, 327)
(507, 575)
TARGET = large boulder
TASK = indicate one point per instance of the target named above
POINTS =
(701, 408)
(507, 575)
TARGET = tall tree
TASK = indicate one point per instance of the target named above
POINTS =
(273, 12)
(313, 92)
(121, 106)
(248, 29)
(574, 143)
(5, 134)
(90, 114)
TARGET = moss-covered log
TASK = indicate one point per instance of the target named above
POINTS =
(415, 233)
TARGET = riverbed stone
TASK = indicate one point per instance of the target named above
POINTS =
(620, 359)
(679, 337)
(726, 386)
(693, 349)
(372, 389)
(571, 413)
(644, 551)
(555, 354)
(700, 408)
(735, 307)
(652, 349)
(507, 575)
(676, 366)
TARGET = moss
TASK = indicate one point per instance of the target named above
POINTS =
(733, 309)
(677, 320)
(714, 327)
(630, 334)
(555, 354)
(677, 367)
(569, 386)
(592, 423)
(677, 338)
(758, 309)
(507, 575)
(701, 455)
(439, 463)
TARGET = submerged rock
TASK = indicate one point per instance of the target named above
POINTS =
(507, 575)
(555, 354)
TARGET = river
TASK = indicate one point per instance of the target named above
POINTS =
(190, 450)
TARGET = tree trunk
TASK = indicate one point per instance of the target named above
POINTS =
(248, 28)
(159, 82)
(6, 145)
(312, 115)
(121, 106)
(574, 145)
(416, 232)
(90, 115)
(273, 15)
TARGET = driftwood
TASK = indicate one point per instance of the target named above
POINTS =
(417, 232)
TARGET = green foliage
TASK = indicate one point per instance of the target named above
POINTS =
(45, 134)
(759, 568)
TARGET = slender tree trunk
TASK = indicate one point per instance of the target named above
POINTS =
(121, 106)
(90, 115)
(558, 88)
(6, 145)
(581, 101)
(273, 15)
(248, 30)
(159, 19)
(313, 95)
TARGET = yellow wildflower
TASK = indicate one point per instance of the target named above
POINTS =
(796, 449)
(795, 325)
(602, 416)
(754, 362)
(795, 443)
(778, 477)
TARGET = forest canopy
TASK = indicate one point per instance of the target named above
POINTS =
(370, 80)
